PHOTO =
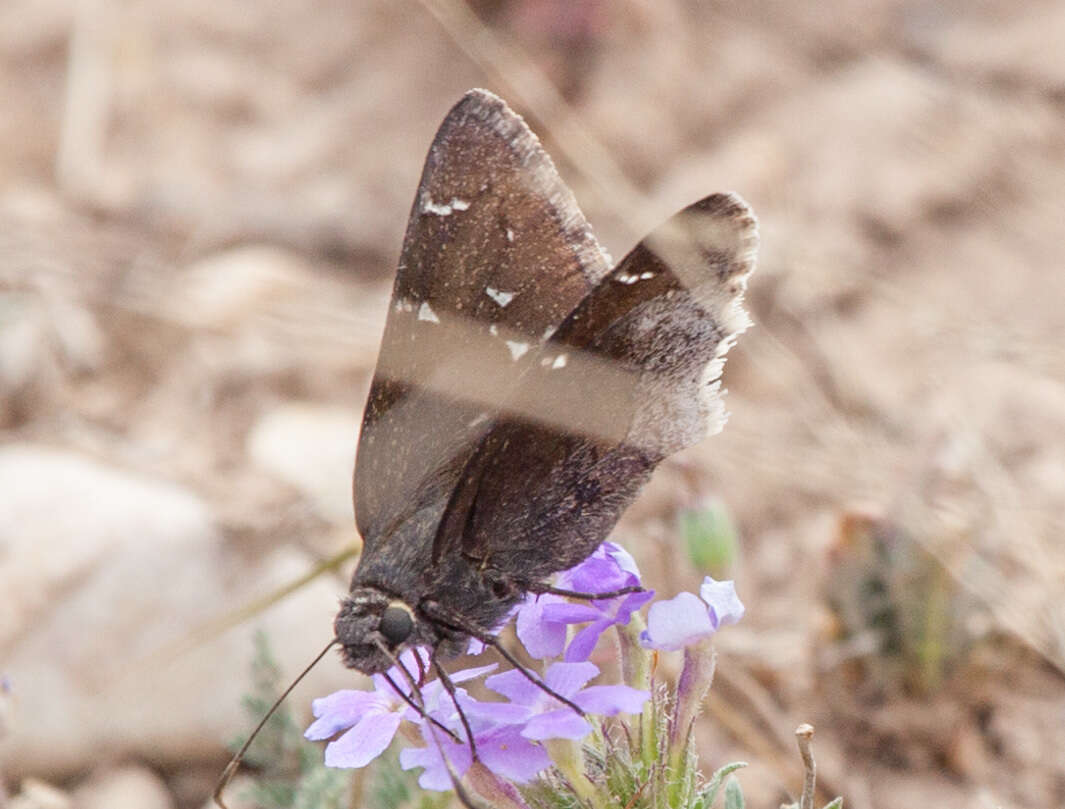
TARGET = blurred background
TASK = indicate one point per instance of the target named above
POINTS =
(201, 208)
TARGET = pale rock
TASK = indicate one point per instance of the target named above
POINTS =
(222, 289)
(130, 787)
(22, 343)
(35, 794)
(115, 641)
(312, 448)
(61, 517)
(42, 338)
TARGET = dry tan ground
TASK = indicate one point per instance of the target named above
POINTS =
(201, 206)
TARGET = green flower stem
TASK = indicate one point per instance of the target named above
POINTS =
(695, 680)
(636, 672)
(635, 660)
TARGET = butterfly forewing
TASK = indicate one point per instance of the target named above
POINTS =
(630, 377)
(496, 255)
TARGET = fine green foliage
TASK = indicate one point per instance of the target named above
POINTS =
(835, 803)
(290, 772)
(640, 763)
(883, 585)
(708, 793)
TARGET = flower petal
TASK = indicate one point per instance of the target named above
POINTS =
(508, 754)
(469, 674)
(569, 678)
(608, 700)
(515, 686)
(342, 709)
(675, 623)
(568, 612)
(483, 715)
(722, 600)
(599, 573)
(561, 724)
(633, 602)
(542, 637)
(436, 776)
(584, 642)
(364, 742)
(623, 559)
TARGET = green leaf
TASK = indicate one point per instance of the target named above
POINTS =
(836, 803)
(708, 793)
(734, 795)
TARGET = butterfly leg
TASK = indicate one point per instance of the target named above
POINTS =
(419, 708)
(547, 588)
(437, 612)
(449, 686)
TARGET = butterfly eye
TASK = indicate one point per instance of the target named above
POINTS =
(396, 624)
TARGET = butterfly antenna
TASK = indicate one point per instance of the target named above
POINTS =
(231, 768)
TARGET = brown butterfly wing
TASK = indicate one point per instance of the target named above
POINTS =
(630, 377)
(496, 255)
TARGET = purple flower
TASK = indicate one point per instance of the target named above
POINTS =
(496, 728)
(546, 717)
(680, 621)
(543, 620)
(371, 718)
(501, 748)
(508, 734)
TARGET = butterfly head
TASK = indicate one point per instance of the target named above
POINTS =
(371, 622)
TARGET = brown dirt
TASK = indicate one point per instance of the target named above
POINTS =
(903, 383)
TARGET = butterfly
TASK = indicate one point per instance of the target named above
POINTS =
(526, 388)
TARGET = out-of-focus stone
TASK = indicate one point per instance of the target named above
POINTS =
(311, 447)
(62, 516)
(221, 289)
(129, 787)
(113, 646)
(35, 794)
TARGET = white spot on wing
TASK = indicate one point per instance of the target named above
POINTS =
(499, 296)
(403, 305)
(426, 313)
(493, 330)
(510, 235)
(443, 209)
(517, 349)
(549, 332)
(554, 363)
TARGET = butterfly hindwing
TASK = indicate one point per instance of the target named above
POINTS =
(630, 377)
